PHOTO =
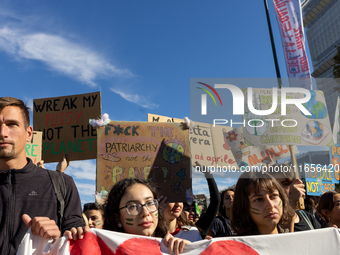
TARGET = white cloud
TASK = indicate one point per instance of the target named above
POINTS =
(59, 54)
(134, 98)
(86, 189)
(83, 169)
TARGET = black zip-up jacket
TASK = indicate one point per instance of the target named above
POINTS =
(29, 191)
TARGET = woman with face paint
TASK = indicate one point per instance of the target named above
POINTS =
(295, 190)
(260, 206)
(94, 214)
(329, 208)
(178, 224)
(132, 208)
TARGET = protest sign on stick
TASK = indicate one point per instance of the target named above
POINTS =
(209, 146)
(33, 148)
(320, 178)
(248, 155)
(292, 128)
(64, 122)
(160, 118)
(158, 152)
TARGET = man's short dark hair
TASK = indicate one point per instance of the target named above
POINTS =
(12, 101)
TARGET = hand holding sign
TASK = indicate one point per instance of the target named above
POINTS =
(296, 190)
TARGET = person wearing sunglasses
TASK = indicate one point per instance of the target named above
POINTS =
(132, 208)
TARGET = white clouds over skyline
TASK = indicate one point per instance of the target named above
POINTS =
(86, 189)
(82, 169)
(134, 98)
(59, 54)
(25, 39)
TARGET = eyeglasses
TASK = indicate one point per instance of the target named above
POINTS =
(135, 209)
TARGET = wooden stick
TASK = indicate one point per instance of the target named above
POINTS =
(297, 175)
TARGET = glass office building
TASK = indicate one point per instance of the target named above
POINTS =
(321, 19)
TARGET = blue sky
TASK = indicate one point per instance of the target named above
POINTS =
(139, 54)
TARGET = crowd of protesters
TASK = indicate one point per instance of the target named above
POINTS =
(261, 203)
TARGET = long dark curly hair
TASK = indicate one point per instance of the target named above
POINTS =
(112, 206)
(241, 221)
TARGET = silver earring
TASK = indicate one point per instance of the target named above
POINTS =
(120, 225)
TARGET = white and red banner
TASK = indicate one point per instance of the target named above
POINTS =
(96, 242)
(289, 16)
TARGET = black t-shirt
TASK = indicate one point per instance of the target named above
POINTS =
(206, 219)
(221, 227)
(303, 224)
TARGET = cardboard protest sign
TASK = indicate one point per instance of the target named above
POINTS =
(158, 152)
(247, 155)
(336, 125)
(321, 178)
(294, 128)
(209, 146)
(33, 148)
(160, 118)
(64, 122)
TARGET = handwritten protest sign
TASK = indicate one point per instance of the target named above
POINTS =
(160, 118)
(294, 128)
(320, 178)
(209, 146)
(64, 122)
(33, 148)
(155, 151)
(247, 155)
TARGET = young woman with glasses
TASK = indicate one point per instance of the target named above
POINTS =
(132, 208)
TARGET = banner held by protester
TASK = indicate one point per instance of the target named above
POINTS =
(98, 241)
(289, 18)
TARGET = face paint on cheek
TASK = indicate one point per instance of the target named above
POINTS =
(98, 222)
(128, 221)
(156, 214)
(253, 210)
(280, 204)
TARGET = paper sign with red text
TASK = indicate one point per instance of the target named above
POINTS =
(64, 122)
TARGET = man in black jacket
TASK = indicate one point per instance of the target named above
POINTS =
(27, 197)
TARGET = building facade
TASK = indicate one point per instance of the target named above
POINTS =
(321, 19)
(311, 157)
